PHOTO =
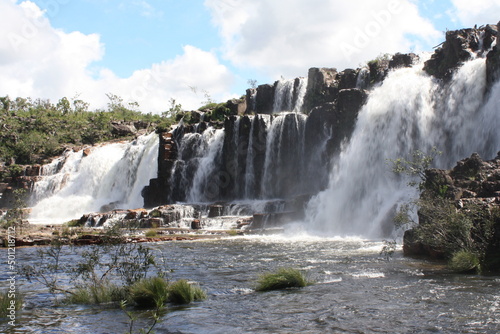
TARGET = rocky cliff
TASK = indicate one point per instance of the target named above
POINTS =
(473, 188)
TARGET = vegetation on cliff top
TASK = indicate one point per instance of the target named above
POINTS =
(32, 130)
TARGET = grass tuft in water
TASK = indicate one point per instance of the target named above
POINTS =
(184, 292)
(99, 294)
(150, 292)
(283, 278)
(465, 262)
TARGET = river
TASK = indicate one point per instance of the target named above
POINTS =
(357, 290)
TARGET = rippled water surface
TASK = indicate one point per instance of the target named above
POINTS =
(356, 291)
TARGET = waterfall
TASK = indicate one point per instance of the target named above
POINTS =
(254, 157)
(409, 111)
(111, 175)
(284, 156)
(289, 95)
(206, 178)
(283, 96)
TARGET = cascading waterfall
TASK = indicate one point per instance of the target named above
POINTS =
(283, 96)
(284, 152)
(112, 175)
(204, 186)
(289, 95)
(259, 157)
(409, 111)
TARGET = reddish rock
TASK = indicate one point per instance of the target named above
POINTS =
(196, 224)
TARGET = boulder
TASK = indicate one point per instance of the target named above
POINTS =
(122, 129)
(196, 224)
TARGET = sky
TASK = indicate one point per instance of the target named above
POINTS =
(192, 51)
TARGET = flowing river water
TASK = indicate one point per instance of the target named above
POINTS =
(356, 290)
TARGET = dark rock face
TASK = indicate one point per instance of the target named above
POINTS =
(25, 182)
(348, 79)
(237, 107)
(264, 101)
(378, 70)
(322, 87)
(493, 57)
(458, 48)
(157, 192)
(403, 60)
(349, 104)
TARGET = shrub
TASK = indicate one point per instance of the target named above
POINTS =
(283, 278)
(183, 292)
(150, 292)
(465, 262)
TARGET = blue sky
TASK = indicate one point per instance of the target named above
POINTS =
(153, 50)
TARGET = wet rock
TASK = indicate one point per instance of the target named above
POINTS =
(457, 49)
(400, 60)
(264, 100)
(347, 79)
(322, 87)
(215, 211)
(493, 58)
(34, 170)
(136, 214)
(196, 224)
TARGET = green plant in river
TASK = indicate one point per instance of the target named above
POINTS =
(465, 262)
(283, 278)
(96, 294)
(184, 292)
(149, 292)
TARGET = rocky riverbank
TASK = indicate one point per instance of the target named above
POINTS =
(41, 235)
(472, 188)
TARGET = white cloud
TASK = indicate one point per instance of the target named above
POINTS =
(288, 37)
(39, 61)
(478, 12)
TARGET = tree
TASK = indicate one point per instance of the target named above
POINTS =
(64, 106)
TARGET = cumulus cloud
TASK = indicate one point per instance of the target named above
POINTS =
(479, 12)
(39, 61)
(287, 37)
